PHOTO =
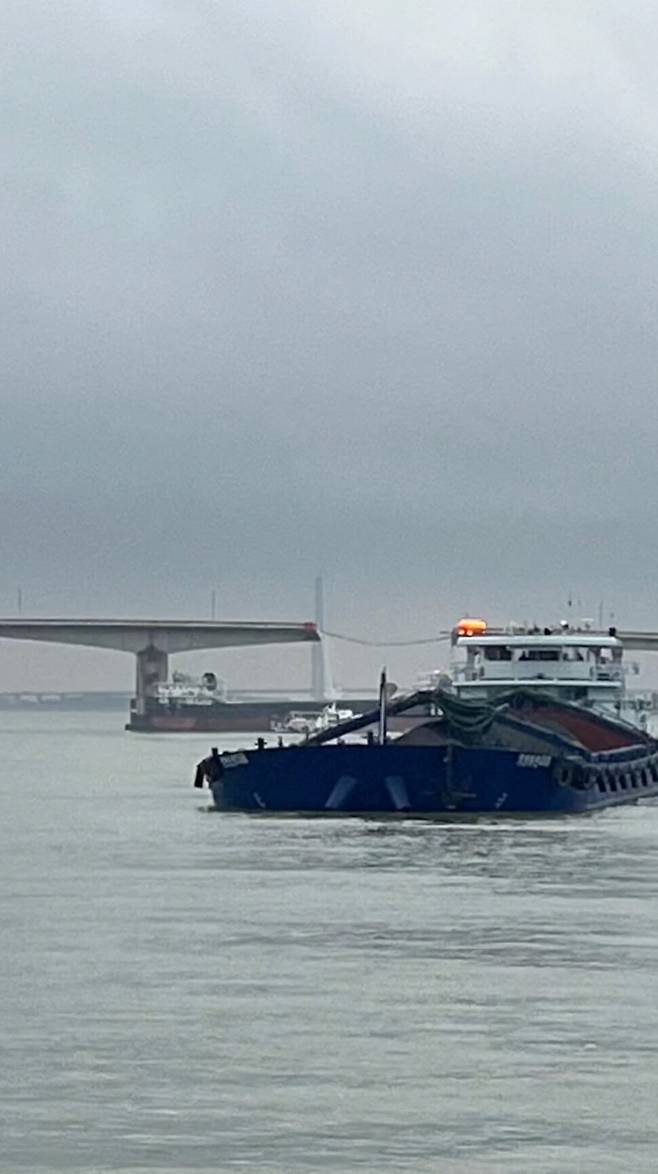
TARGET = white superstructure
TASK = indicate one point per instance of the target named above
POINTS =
(580, 666)
(186, 690)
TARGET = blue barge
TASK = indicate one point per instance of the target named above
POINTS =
(525, 754)
(531, 722)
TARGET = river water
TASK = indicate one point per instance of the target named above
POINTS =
(183, 990)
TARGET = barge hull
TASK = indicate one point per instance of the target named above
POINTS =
(406, 780)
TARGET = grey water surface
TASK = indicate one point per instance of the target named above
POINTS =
(182, 990)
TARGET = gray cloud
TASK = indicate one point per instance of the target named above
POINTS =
(363, 288)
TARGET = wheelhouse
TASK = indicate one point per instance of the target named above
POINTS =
(575, 666)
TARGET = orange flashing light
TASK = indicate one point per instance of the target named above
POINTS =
(471, 627)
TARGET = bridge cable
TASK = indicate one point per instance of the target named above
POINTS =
(383, 643)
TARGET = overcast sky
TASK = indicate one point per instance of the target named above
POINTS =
(351, 286)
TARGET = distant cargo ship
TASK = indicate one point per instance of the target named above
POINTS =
(186, 705)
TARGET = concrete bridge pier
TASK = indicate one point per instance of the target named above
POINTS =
(152, 669)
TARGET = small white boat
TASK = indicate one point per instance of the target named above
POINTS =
(308, 722)
(331, 715)
(295, 723)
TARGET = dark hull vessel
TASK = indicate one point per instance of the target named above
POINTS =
(524, 754)
(222, 716)
(243, 716)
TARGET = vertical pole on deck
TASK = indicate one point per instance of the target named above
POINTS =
(381, 738)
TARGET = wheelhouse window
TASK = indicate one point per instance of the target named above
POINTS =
(497, 652)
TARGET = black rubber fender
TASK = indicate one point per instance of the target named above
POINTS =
(587, 779)
(564, 774)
